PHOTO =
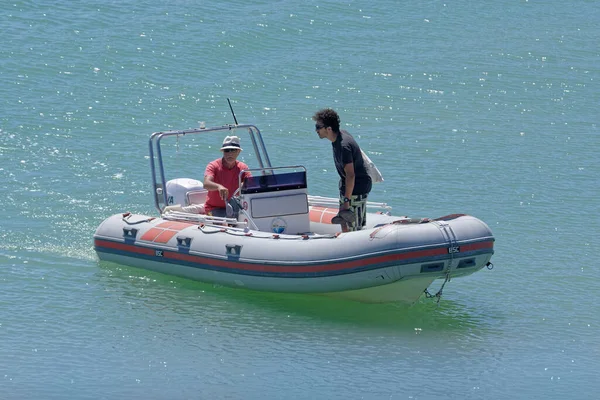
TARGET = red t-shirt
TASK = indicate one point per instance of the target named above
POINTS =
(223, 176)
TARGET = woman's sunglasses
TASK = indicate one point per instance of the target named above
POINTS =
(229, 150)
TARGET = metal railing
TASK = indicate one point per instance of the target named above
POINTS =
(159, 181)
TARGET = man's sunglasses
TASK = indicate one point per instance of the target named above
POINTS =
(229, 150)
(319, 127)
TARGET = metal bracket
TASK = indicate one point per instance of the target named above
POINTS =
(184, 241)
(233, 249)
(130, 233)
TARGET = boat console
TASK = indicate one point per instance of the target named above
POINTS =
(276, 201)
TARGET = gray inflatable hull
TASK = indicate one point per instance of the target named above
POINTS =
(393, 260)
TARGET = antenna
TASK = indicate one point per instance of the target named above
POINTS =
(232, 113)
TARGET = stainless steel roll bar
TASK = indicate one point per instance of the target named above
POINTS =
(156, 158)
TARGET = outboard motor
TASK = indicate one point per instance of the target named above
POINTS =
(185, 191)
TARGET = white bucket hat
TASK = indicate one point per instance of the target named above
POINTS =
(231, 142)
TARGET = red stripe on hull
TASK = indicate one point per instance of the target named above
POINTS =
(476, 246)
(335, 266)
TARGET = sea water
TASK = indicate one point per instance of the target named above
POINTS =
(488, 109)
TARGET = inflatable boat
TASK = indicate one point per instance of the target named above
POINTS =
(281, 239)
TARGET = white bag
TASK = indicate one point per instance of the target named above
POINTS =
(372, 169)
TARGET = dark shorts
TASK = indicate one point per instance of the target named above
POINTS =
(231, 210)
(358, 206)
(217, 212)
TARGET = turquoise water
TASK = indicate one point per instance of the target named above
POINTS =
(486, 109)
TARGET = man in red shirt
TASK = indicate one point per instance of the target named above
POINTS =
(221, 177)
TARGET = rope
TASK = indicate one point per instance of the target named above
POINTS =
(439, 292)
(258, 235)
(126, 219)
(453, 243)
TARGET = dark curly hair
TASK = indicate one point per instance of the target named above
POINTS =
(329, 118)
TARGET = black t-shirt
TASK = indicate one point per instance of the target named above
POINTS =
(345, 151)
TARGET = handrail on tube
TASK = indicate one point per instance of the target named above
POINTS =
(334, 202)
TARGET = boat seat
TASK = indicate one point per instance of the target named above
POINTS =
(277, 203)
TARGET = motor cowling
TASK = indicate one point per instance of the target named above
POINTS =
(183, 191)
